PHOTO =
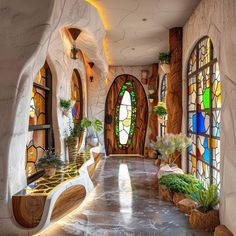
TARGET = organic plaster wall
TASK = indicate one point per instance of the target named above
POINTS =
(31, 32)
(97, 90)
(216, 18)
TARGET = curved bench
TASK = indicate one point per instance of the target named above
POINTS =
(48, 199)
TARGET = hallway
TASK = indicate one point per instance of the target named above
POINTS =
(124, 202)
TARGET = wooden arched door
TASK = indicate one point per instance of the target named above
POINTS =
(126, 117)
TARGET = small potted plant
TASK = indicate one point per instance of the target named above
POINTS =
(151, 97)
(65, 106)
(206, 216)
(164, 58)
(49, 162)
(161, 111)
(73, 140)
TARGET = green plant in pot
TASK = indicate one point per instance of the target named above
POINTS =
(49, 162)
(73, 141)
(206, 216)
(161, 111)
(151, 97)
(65, 106)
(164, 58)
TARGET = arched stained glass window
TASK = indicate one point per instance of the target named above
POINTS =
(125, 116)
(163, 99)
(40, 129)
(76, 96)
(204, 108)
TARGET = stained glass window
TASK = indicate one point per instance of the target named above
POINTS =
(125, 116)
(163, 99)
(40, 132)
(76, 97)
(204, 108)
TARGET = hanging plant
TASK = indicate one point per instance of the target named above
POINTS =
(160, 109)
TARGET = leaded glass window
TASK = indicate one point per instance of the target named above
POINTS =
(76, 96)
(204, 108)
(40, 132)
(125, 116)
(163, 99)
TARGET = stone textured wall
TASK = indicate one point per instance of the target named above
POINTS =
(31, 32)
(216, 19)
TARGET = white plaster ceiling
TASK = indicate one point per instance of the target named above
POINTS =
(132, 40)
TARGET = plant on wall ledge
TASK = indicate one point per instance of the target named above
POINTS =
(65, 106)
(161, 111)
(164, 58)
(151, 97)
(49, 162)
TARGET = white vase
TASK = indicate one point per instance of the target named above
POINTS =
(166, 68)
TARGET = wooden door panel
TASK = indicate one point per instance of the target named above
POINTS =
(138, 139)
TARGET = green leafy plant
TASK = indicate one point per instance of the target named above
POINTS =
(180, 183)
(164, 57)
(151, 96)
(49, 159)
(83, 125)
(160, 109)
(206, 198)
(65, 104)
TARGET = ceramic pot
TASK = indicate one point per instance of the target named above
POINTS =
(73, 148)
(49, 171)
(166, 68)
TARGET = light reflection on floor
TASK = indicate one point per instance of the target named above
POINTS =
(125, 202)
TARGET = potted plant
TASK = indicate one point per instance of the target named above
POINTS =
(73, 140)
(151, 97)
(170, 147)
(164, 58)
(65, 106)
(49, 162)
(206, 216)
(175, 187)
(161, 111)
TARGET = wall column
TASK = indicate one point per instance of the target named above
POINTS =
(174, 83)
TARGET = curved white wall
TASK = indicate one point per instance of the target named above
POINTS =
(31, 32)
(216, 19)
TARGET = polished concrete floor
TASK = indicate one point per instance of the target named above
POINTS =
(124, 202)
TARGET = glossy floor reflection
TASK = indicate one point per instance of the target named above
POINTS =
(124, 202)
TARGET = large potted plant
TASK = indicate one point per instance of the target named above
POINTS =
(206, 216)
(164, 58)
(76, 134)
(161, 111)
(49, 162)
(65, 106)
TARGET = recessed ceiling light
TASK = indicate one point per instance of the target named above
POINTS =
(144, 19)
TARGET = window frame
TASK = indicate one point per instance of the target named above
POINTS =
(199, 69)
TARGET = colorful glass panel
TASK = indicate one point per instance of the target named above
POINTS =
(36, 141)
(192, 62)
(204, 103)
(76, 98)
(125, 116)
(163, 99)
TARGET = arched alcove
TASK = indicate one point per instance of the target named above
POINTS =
(203, 112)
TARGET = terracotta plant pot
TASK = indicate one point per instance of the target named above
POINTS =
(165, 193)
(204, 221)
(166, 68)
(73, 148)
(177, 197)
(49, 171)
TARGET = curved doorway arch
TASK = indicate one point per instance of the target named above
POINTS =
(126, 116)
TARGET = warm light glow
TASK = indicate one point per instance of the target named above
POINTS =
(106, 26)
(125, 192)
